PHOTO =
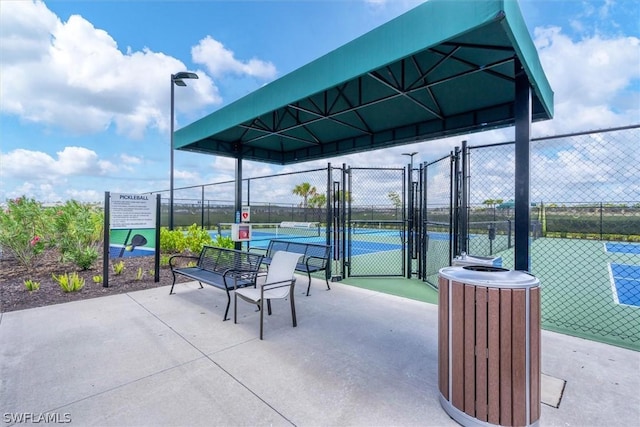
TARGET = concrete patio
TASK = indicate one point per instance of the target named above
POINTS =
(357, 358)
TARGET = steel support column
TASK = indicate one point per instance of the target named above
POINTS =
(522, 170)
(238, 198)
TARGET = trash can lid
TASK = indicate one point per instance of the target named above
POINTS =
(484, 275)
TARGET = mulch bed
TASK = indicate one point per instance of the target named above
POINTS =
(14, 296)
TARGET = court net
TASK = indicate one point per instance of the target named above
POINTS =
(277, 230)
(376, 227)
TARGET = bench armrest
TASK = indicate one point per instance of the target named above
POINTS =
(248, 274)
(323, 260)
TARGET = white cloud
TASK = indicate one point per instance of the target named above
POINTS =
(131, 160)
(36, 165)
(25, 31)
(590, 78)
(55, 72)
(78, 161)
(192, 178)
(219, 61)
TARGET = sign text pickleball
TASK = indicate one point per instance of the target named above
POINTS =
(132, 211)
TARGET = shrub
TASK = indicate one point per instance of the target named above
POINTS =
(224, 242)
(69, 282)
(31, 286)
(176, 241)
(164, 260)
(84, 258)
(118, 268)
(172, 241)
(24, 230)
(78, 232)
(196, 238)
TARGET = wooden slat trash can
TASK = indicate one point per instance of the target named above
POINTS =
(489, 346)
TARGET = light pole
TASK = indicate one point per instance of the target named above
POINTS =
(411, 155)
(177, 79)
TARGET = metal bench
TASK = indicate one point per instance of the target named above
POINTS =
(222, 268)
(315, 257)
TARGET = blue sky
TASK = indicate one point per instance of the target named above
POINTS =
(85, 85)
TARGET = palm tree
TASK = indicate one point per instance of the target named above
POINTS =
(318, 201)
(304, 190)
(489, 202)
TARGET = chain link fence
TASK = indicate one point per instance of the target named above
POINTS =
(438, 218)
(376, 241)
(295, 196)
(585, 220)
(585, 227)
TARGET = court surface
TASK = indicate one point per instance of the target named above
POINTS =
(622, 248)
(625, 283)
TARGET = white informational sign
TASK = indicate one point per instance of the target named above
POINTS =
(131, 229)
(129, 211)
(245, 216)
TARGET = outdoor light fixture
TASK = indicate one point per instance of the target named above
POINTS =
(178, 79)
(411, 155)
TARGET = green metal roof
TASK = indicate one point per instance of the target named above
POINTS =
(444, 68)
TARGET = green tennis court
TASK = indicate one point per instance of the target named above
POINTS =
(580, 289)
(580, 296)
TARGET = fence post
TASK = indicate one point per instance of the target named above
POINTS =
(601, 218)
(202, 209)
(456, 200)
(464, 203)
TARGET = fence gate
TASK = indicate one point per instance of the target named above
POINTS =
(376, 228)
(437, 216)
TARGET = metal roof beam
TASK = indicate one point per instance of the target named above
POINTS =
(480, 46)
(478, 68)
(485, 67)
(355, 108)
(333, 119)
(423, 75)
(405, 94)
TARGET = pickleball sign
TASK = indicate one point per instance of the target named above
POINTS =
(132, 211)
(132, 219)
(131, 227)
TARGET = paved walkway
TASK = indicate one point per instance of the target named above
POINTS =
(357, 358)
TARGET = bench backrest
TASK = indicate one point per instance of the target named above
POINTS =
(220, 260)
(314, 254)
